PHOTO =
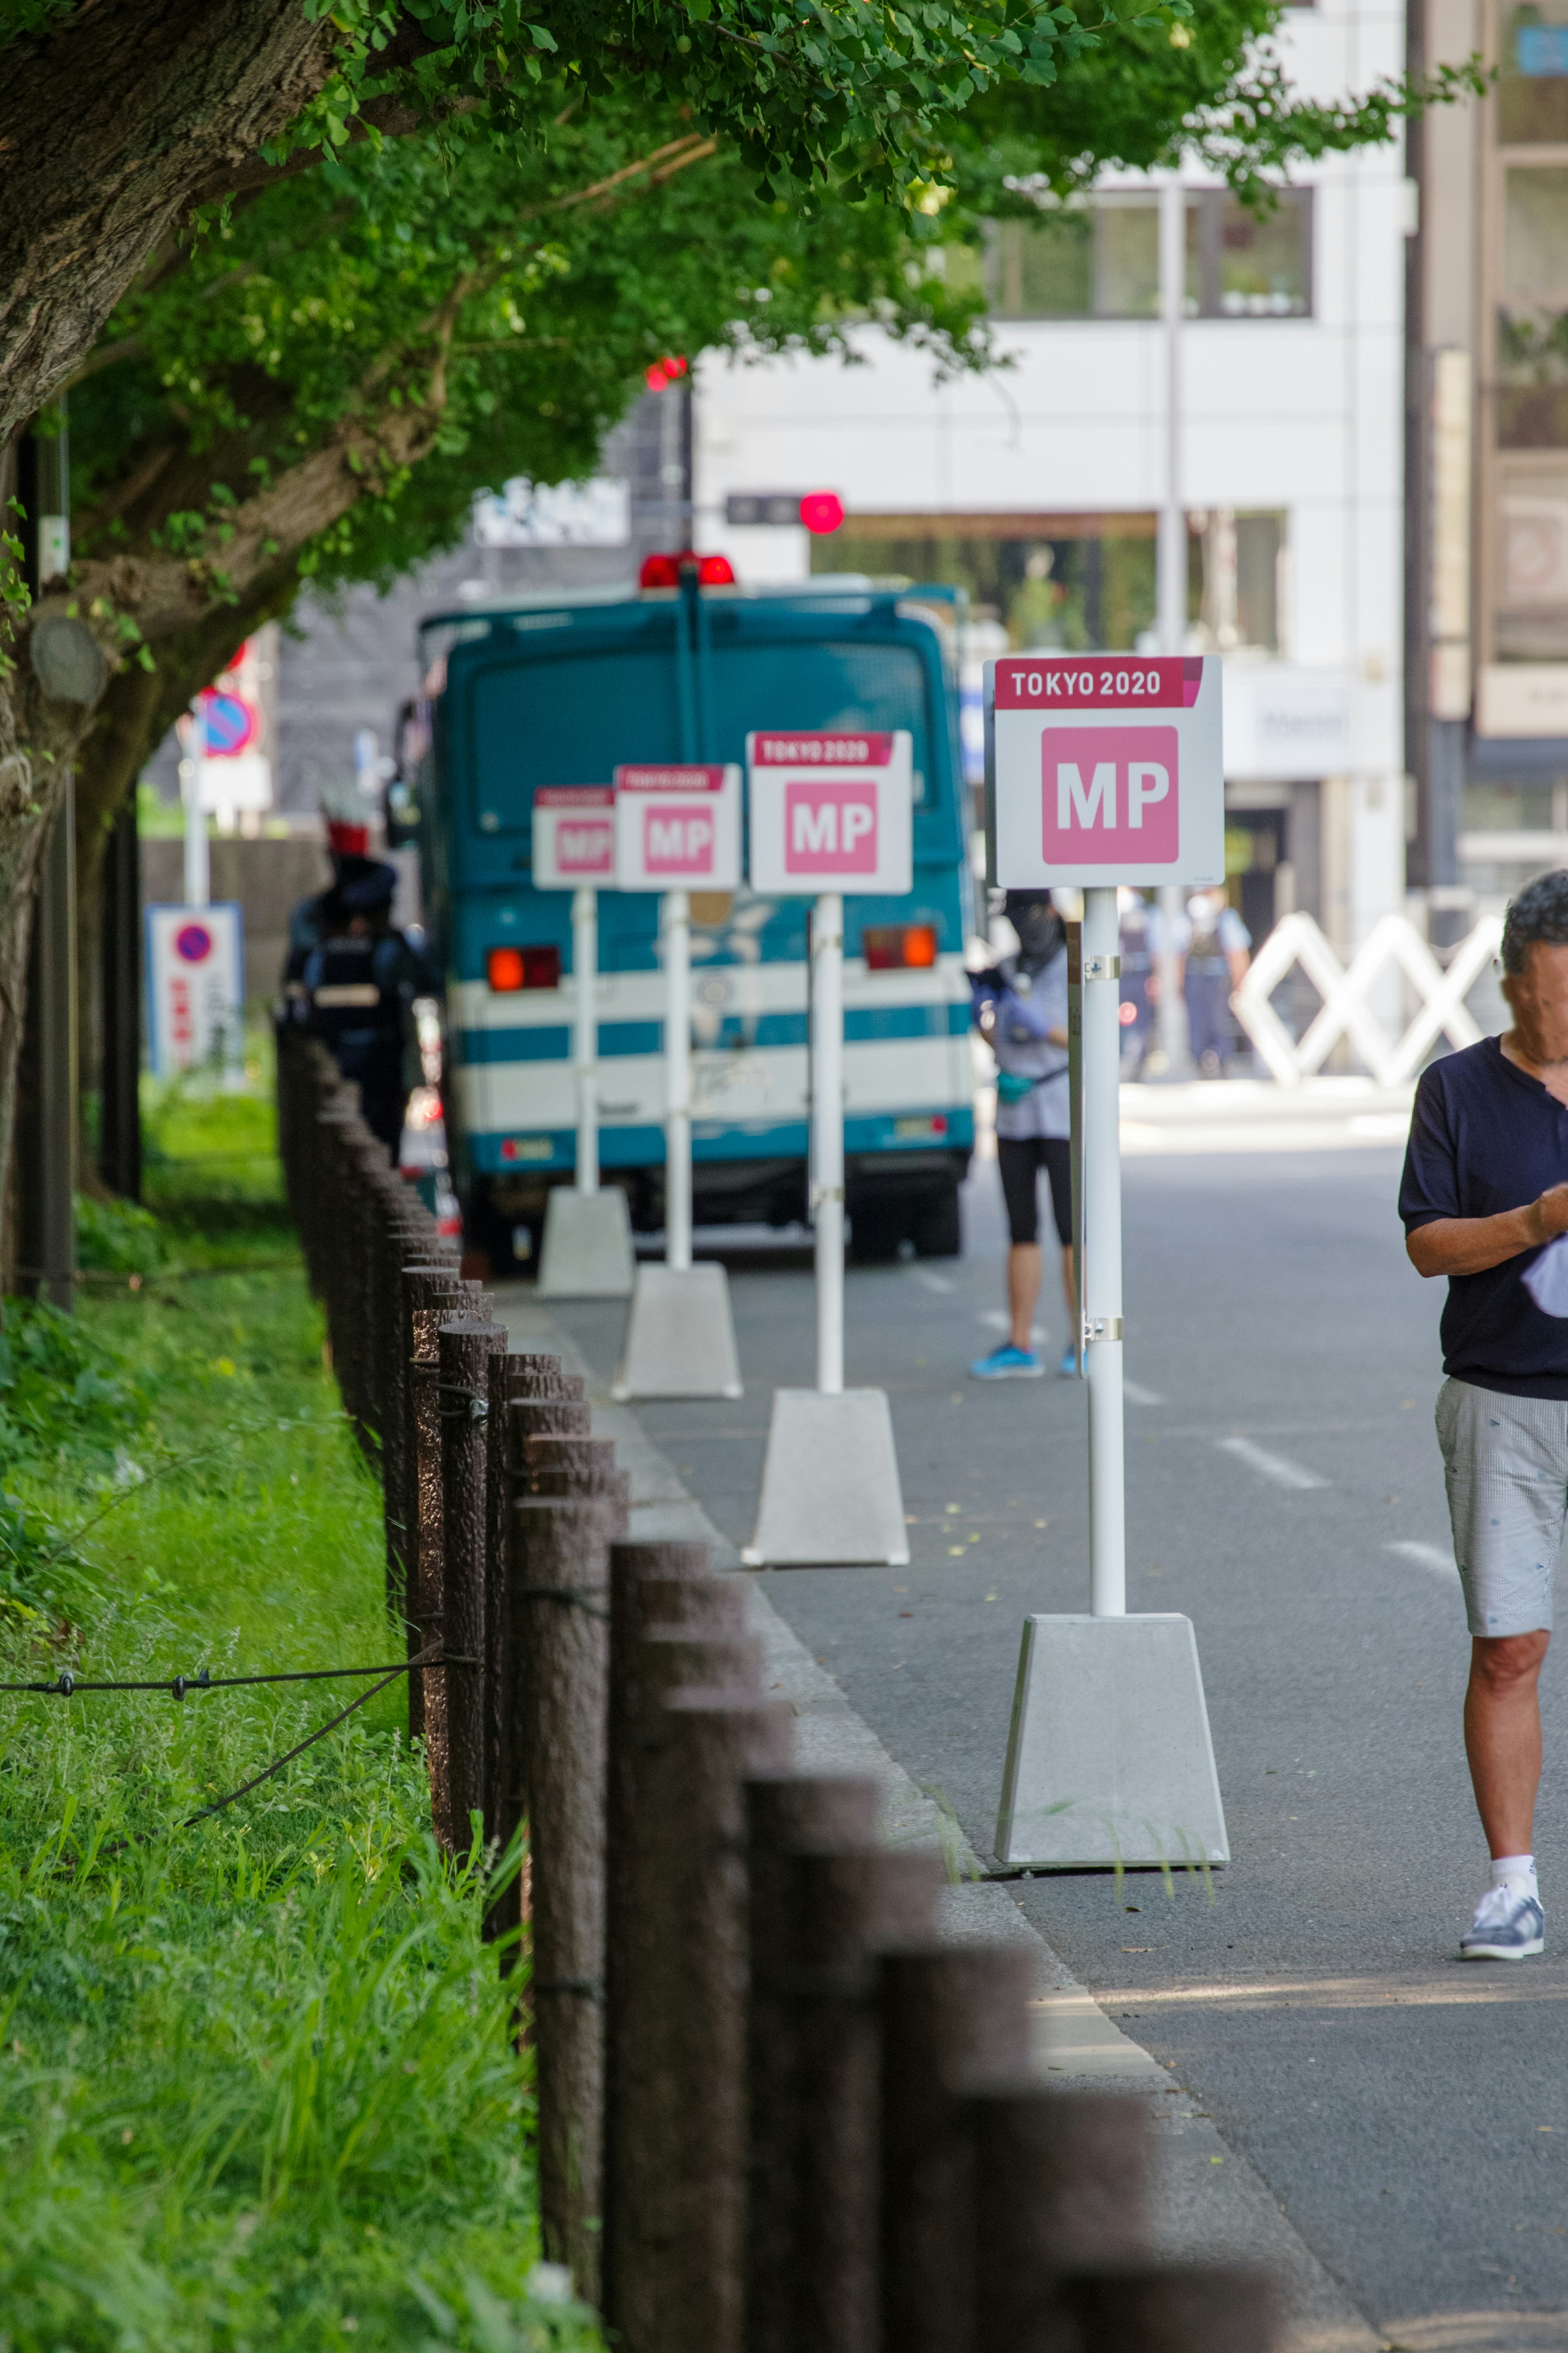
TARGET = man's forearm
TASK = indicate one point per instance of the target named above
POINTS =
(1472, 1245)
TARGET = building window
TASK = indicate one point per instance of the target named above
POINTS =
(1532, 75)
(1241, 266)
(1094, 260)
(1531, 562)
(1533, 310)
(1075, 581)
(1235, 574)
(1101, 259)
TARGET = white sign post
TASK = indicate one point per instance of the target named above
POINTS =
(1104, 769)
(587, 1251)
(676, 827)
(830, 810)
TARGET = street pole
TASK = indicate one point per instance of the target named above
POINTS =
(198, 867)
(47, 1075)
(46, 1141)
(827, 1135)
(585, 1033)
(676, 925)
(1171, 571)
(1102, 1051)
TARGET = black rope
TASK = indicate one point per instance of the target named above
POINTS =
(65, 1686)
(204, 1813)
(575, 1597)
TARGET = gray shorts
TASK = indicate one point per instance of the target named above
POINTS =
(1505, 1463)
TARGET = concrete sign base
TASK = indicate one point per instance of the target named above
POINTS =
(587, 1251)
(680, 1338)
(831, 1495)
(1109, 1758)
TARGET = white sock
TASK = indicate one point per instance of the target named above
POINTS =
(1518, 1869)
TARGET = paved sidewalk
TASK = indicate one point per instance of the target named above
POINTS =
(1208, 2200)
(1323, 1114)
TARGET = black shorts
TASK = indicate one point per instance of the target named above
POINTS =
(1021, 1159)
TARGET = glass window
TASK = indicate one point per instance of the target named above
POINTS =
(1099, 261)
(1532, 75)
(1070, 582)
(1102, 260)
(1509, 808)
(1244, 266)
(1239, 557)
(1531, 560)
(1532, 313)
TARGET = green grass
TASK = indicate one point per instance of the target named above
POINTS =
(257, 2083)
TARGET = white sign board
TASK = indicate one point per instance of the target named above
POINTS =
(574, 836)
(831, 811)
(196, 986)
(678, 829)
(1104, 768)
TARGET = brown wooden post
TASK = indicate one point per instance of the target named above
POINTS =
(952, 2017)
(585, 1464)
(786, 1815)
(508, 1378)
(643, 2126)
(681, 2278)
(667, 1587)
(431, 1300)
(814, 2113)
(560, 1625)
(1157, 2307)
(1061, 2183)
(465, 1347)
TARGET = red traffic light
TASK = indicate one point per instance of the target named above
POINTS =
(822, 512)
(665, 571)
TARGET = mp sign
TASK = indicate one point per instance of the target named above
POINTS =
(1103, 768)
(574, 836)
(678, 829)
(831, 812)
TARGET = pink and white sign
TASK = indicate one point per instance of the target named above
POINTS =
(1104, 769)
(573, 836)
(677, 827)
(832, 811)
(195, 987)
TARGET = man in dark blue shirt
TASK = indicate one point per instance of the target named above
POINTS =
(1485, 1189)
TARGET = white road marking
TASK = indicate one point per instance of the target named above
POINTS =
(1136, 1394)
(1277, 1468)
(934, 1282)
(1425, 1555)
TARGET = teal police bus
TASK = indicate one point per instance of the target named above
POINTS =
(560, 691)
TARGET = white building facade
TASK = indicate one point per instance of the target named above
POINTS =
(1037, 488)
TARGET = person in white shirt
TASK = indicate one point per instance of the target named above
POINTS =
(1021, 1009)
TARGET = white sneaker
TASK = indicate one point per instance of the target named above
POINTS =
(1508, 1925)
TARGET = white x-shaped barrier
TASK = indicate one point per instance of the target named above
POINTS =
(1345, 1011)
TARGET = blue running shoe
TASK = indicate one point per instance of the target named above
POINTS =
(1508, 1925)
(1007, 1364)
(1069, 1359)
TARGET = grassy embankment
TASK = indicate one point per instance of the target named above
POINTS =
(257, 2083)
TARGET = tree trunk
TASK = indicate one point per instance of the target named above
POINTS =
(110, 122)
(138, 710)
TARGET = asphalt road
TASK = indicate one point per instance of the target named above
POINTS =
(1410, 2114)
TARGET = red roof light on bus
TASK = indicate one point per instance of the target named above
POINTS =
(665, 571)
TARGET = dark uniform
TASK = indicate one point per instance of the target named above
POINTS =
(351, 980)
